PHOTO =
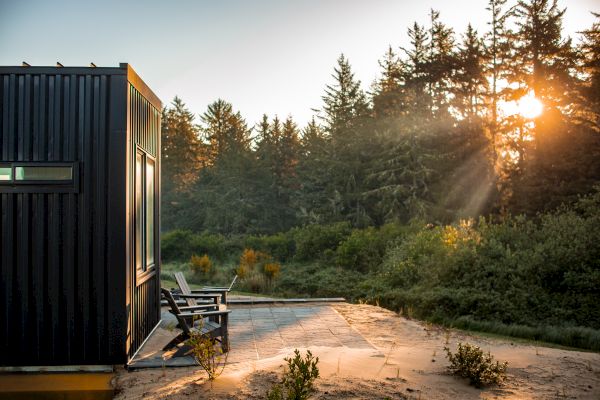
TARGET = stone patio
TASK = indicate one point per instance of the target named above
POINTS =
(259, 332)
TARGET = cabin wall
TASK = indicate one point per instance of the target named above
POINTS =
(63, 252)
(143, 292)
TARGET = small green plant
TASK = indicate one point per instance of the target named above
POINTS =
(471, 362)
(275, 393)
(298, 378)
(208, 353)
(201, 265)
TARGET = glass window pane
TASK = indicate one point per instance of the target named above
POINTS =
(5, 173)
(149, 212)
(46, 173)
(138, 212)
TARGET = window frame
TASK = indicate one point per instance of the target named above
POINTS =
(40, 185)
(147, 270)
(153, 161)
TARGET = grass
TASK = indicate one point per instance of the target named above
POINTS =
(570, 338)
(169, 284)
(313, 280)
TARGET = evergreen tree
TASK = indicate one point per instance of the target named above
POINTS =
(345, 103)
(387, 95)
(312, 201)
(470, 82)
(589, 51)
(546, 145)
(440, 65)
(182, 152)
(225, 130)
(415, 75)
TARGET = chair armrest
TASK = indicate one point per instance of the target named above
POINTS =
(200, 296)
(204, 314)
(211, 290)
(204, 307)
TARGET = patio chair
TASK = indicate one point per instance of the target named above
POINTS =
(215, 324)
(202, 293)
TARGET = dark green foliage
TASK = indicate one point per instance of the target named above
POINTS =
(176, 245)
(319, 281)
(517, 271)
(301, 373)
(472, 363)
(361, 251)
(180, 245)
(312, 241)
(298, 378)
(364, 249)
(280, 245)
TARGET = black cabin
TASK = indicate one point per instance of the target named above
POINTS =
(80, 197)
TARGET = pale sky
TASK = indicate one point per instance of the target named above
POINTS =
(264, 56)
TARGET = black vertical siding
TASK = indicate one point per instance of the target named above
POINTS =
(62, 262)
(144, 125)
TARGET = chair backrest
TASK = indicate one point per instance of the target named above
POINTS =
(175, 309)
(185, 288)
(232, 282)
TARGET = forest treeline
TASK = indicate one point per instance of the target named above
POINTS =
(537, 279)
(433, 139)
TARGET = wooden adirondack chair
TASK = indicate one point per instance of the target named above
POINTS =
(206, 292)
(213, 323)
(223, 289)
(191, 298)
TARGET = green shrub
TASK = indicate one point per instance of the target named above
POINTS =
(361, 251)
(176, 245)
(314, 240)
(208, 353)
(180, 245)
(298, 378)
(281, 245)
(214, 245)
(472, 363)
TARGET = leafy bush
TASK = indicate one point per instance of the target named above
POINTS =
(201, 265)
(313, 240)
(180, 245)
(213, 244)
(176, 245)
(208, 353)
(471, 362)
(281, 245)
(518, 271)
(361, 251)
(298, 379)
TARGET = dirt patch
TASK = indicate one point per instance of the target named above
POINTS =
(407, 362)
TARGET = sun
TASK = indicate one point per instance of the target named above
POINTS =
(529, 107)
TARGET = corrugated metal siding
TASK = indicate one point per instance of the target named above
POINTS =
(62, 291)
(144, 125)
(145, 122)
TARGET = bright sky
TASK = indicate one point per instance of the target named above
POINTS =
(264, 56)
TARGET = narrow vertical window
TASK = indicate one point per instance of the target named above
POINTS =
(139, 206)
(149, 212)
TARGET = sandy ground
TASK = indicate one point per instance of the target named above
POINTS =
(407, 362)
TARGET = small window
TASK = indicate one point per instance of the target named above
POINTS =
(5, 173)
(39, 177)
(43, 173)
